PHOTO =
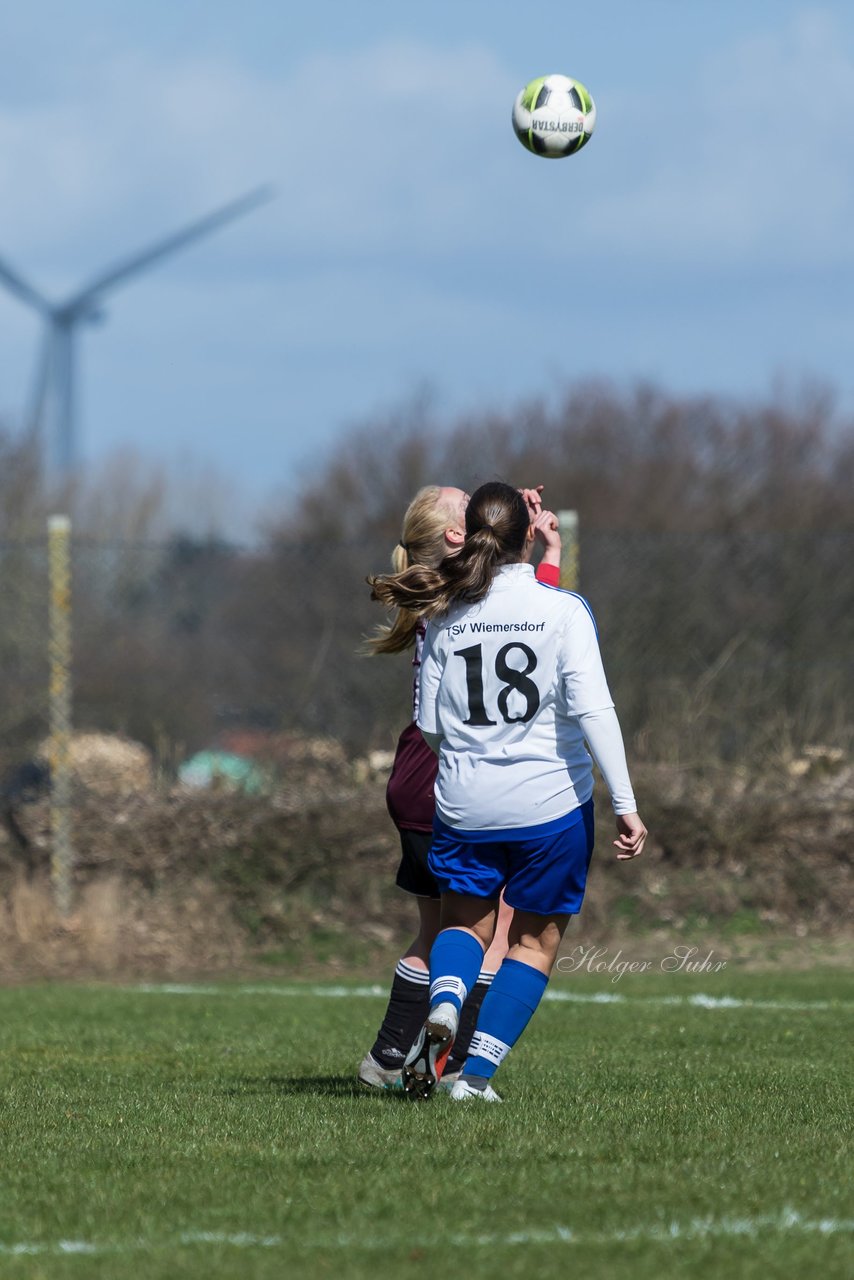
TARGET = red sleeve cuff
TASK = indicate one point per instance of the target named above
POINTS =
(549, 574)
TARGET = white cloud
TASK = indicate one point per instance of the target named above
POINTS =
(407, 148)
(413, 235)
(753, 165)
(376, 149)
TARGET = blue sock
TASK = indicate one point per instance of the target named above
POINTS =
(505, 1013)
(455, 962)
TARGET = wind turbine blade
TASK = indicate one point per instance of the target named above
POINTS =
(128, 267)
(17, 285)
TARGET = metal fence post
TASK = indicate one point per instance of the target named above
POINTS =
(568, 527)
(59, 647)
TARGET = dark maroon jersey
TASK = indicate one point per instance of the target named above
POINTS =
(409, 794)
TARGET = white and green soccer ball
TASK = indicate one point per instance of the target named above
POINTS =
(554, 116)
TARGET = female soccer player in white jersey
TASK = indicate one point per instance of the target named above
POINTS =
(433, 527)
(512, 688)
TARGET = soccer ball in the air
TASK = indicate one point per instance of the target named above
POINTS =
(554, 116)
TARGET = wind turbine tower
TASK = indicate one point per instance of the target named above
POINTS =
(52, 411)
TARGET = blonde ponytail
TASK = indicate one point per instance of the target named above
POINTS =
(422, 542)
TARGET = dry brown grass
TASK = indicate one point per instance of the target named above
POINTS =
(180, 883)
(116, 928)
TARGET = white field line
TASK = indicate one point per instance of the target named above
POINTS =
(788, 1220)
(697, 1001)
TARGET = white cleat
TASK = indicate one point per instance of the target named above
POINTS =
(376, 1076)
(462, 1091)
(425, 1061)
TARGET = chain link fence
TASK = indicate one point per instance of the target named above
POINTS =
(717, 647)
(24, 663)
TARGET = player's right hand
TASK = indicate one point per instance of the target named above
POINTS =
(631, 834)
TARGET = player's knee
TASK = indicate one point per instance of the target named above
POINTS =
(541, 935)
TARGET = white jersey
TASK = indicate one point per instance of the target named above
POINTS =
(512, 685)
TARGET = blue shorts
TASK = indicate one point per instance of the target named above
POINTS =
(541, 869)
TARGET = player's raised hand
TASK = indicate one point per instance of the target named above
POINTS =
(533, 501)
(631, 834)
(547, 530)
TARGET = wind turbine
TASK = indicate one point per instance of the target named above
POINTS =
(52, 411)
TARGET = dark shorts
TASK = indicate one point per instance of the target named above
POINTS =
(542, 871)
(413, 874)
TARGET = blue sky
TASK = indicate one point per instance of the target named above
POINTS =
(704, 239)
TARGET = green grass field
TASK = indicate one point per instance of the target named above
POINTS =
(217, 1131)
